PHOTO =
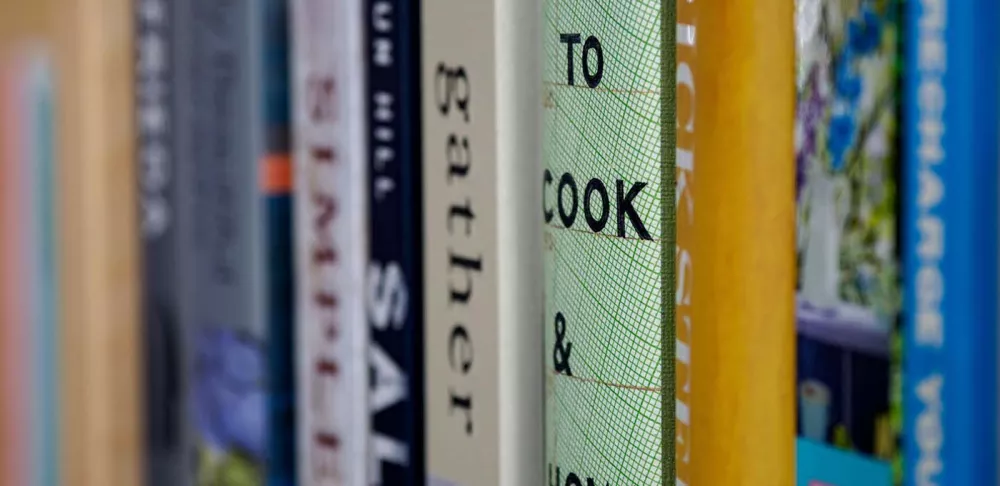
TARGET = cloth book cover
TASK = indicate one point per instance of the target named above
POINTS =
(608, 203)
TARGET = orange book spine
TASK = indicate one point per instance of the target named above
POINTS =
(742, 334)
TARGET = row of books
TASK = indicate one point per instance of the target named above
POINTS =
(499, 242)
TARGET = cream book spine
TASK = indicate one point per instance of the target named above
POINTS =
(482, 238)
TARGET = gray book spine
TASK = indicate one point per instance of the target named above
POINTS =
(221, 241)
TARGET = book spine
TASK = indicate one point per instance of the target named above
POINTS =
(100, 435)
(461, 313)
(950, 242)
(332, 338)
(221, 237)
(847, 295)
(155, 125)
(519, 246)
(608, 201)
(17, 460)
(742, 324)
(39, 119)
(686, 181)
(393, 290)
(271, 25)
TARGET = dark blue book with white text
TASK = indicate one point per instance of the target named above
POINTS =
(393, 292)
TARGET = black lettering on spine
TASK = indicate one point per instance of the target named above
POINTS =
(596, 204)
(572, 479)
(546, 182)
(459, 157)
(567, 218)
(625, 207)
(464, 211)
(596, 223)
(452, 93)
(452, 82)
(593, 44)
(569, 40)
(469, 265)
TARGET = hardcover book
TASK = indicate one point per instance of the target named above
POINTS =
(99, 326)
(950, 241)
(735, 120)
(393, 291)
(11, 462)
(164, 410)
(332, 334)
(480, 101)
(848, 294)
(39, 262)
(16, 327)
(234, 236)
(29, 306)
(608, 203)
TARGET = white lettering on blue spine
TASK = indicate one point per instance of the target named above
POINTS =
(929, 325)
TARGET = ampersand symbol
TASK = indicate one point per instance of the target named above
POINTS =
(561, 352)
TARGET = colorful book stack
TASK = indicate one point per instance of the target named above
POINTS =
(499, 243)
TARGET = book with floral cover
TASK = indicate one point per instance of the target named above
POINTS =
(848, 296)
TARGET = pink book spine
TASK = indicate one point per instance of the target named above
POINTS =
(15, 302)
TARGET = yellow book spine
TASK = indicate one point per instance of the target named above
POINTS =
(101, 440)
(743, 255)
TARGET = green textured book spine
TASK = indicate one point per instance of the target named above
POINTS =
(608, 203)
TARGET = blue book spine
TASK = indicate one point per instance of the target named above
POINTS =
(950, 242)
(279, 281)
(394, 294)
(47, 355)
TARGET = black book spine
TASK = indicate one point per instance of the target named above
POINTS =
(394, 293)
(154, 76)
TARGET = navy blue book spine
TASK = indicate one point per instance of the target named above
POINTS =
(280, 281)
(394, 296)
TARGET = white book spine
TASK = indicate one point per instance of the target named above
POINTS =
(330, 211)
(483, 315)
